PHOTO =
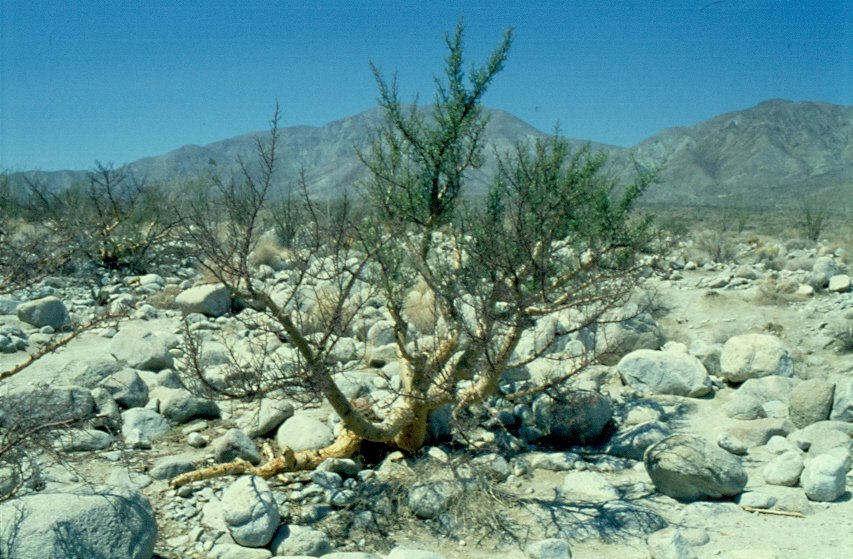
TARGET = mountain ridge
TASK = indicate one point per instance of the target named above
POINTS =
(770, 154)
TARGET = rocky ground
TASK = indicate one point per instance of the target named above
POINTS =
(737, 386)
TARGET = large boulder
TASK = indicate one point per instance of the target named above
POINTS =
(754, 356)
(105, 523)
(842, 404)
(293, 539)
(180, 405)
(36, 405)
(749, 400)
(211, 300)
(143, 349)
(303, 432)
(47, 311)
(825, 477)
(810, 402)
(572, 416)
(635, 331)
(688, 468)
(664, 372)
(250, 511)
(126, 388)
(271, 413)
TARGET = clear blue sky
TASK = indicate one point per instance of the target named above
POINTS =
(118, 80)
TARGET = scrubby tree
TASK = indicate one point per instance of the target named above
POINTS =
(462, 280)
(112, 219)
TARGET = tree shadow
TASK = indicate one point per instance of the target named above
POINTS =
(609, 521)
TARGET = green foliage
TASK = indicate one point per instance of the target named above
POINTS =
(418, 163)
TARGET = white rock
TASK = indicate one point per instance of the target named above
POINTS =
(250, 511)
(824, 478)
(303, 432)
(143, 349)
(211, 300)
(664, 372)
(839, 283)
(293, 539)
(108, 523)
(784, 469)
(754, 356)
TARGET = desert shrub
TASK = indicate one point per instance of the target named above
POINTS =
(812, 216)
(843, 334)
(461, 279)
(112, 219)
(717, 245)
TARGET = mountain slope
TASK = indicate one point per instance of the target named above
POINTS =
(773, 153)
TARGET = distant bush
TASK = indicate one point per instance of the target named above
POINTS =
(718, 245)
(812, 217)
(112, 219)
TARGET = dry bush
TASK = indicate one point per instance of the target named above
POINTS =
(843, 334)
(716, 245)
(165, 298)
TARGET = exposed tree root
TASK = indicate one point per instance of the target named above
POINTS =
(344, 446)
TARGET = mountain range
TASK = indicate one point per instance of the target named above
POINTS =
(770, 155)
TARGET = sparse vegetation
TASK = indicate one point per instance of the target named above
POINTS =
(112, 220)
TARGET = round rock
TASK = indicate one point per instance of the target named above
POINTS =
(688, 468)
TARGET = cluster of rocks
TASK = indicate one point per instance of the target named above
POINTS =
(782, 429)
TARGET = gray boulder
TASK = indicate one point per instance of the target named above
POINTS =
(785, 469)
(749, 400)
(47, 311)
(41, 404)
(143, 349)
(211, 300)
(83, 440)
(552, 548)
(635, 332)
(235, 444)
(268, 416)
(180, 405)
(824, 268)
(108, 523)
(825, 477)
(842, 405)
(664, 372)
(572, 415)
(303, 432)
(812, 434)
(250, 511)
(127, 388)
(171, 466)
(293, 539)
(143, 422)
(689, 468)
(754, 356)
(632, 442)
(810, 402)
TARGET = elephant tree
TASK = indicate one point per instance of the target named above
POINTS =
(462, 279)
